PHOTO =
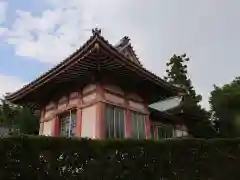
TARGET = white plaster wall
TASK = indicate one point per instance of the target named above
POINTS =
(49, 113)
(180, 133)
(89, 98)
(47, 128)
(114, 88)
(51, 105)
(89, 88)
(73, 95)
(62, 106)
(181, 127)
(136, 105)
(89, 117)
(135, 97)
(114, 98)
(63, 100)
(74, 101)
(181, 130)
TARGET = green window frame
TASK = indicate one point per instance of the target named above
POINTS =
(68, 124)
(138, 121)
(114, 122)
(164, 131)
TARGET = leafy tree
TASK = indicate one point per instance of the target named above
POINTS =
(197, 118)
(21, 119)
(225, 108)
(27, 121)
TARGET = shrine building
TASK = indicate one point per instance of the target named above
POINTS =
(102, 91)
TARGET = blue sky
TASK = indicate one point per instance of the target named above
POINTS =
(36, 35)
(23, 68)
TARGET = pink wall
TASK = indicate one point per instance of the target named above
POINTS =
(89, 121)
(89, 102)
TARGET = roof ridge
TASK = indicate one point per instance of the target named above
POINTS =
(96, 34)
(125, 43)
(95, 38)
(141, 67)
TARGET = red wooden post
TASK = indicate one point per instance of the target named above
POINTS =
(148, 128)
(41, 128)
(56, 126)
(79, 122)
(148, 123)
(128, 123)
(127, 118)
(100, 112)
(100, 121)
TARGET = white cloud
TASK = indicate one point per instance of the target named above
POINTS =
(205, 30)
(3, 10)
(50, 37)
(9, 84)
(3, 31)
(62, 28)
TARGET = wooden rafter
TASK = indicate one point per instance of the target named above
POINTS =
(95, 53)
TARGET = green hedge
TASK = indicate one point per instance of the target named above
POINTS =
(45, 158)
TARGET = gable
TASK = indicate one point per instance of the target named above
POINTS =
(124, 47)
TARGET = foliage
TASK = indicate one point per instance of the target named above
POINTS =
(22, 119)
(197, 118)
(47, 158)
(26, 121)
(225, 108)
(6, 113)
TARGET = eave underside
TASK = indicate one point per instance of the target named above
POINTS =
(163, 117)
(93, 67)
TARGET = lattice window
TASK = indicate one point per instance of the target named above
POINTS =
(164, 131)
(114, 122)
(68, 124)
(138, 125)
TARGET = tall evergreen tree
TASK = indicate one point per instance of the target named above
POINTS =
(225, 108)
(197, 118)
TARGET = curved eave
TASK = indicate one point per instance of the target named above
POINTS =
(95, 41)
(54, 71)
(165, 117)
(151, 76)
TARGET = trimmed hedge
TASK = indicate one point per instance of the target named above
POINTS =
(48, 158)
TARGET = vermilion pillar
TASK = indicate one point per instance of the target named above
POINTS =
(128, 123)
(41, 128)
(148, 123)
(99, 134)
(79, 122)
(56, 126)
(100, 121)
(148, 128)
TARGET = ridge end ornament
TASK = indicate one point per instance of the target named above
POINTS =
(96, 31)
